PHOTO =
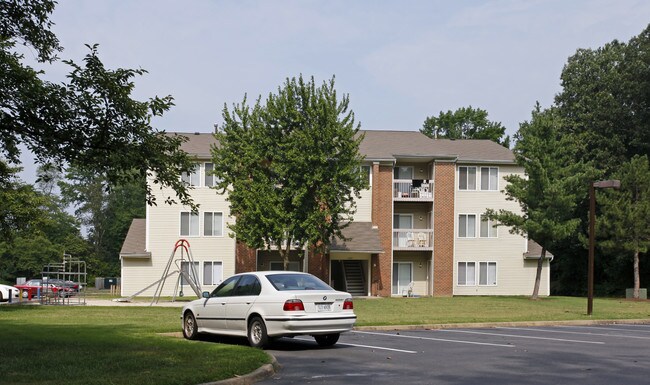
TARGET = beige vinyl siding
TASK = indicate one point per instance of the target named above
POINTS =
(163, 229)
(364, 207)
(514, 275)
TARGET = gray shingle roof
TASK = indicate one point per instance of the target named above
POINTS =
(363, 237)
(135, 242)
(385, 145)
(535, 251)
(391, 145)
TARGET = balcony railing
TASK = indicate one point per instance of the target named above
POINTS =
(412, 190)
(413, 239)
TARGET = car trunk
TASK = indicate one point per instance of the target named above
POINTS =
(322, 301)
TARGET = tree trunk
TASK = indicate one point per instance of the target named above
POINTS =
(284, 253)
(538, 275)
(637, 283)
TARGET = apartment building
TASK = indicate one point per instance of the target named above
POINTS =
(419, 229)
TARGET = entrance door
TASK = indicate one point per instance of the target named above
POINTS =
(402, 277)
(401, 222)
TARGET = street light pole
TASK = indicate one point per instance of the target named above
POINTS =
(592, 236)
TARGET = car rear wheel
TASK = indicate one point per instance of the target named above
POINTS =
(257, 336)
(190, 329)
(327, 339)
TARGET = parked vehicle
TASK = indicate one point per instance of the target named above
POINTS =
(33, 287)
(68, 285)
(269, 304)
(7, 292)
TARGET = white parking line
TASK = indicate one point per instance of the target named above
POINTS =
(518, 336)
(434, 339)
(365, 346)
(586, 334)
(604, 328)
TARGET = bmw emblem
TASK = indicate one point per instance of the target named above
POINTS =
(324, 298)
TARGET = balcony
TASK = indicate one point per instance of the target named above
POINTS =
(416, 190)
(413, 239)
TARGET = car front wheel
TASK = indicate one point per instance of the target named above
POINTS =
(189, 326)
(327, 339)
(257, 336)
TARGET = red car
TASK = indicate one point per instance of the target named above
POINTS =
(33, 287)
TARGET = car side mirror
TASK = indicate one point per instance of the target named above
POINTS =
(205, 294)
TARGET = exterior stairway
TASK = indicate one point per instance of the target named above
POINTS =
(354, 278)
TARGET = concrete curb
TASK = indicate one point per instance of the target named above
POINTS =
(261, 373)
(509, 324)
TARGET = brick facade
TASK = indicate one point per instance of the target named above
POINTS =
(443, 224)
(319, 265)
(245, 258)
(382, 217)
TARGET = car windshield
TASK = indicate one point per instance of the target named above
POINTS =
(297, 282)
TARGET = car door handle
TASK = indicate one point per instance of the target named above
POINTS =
(248, 303)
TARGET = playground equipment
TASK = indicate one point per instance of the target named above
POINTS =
(72, 271)
(185, 268)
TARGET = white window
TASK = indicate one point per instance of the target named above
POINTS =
(213, 224)
(467, 225)
(489, 178)
(194, 178)
(487, 273)
(189, 224)
(191, 271)
(466, 178)
(212, 273)
(488, 228)
(403, 172)
(209, 180)
(466, 273)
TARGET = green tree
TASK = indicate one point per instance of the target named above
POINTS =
(465, 123)
(604, 101)
(291, 167)
(625, 218)
(91, 122)
(105, 213)
(548, 193)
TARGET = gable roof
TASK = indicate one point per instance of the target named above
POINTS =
(135, 242)
(389, 146)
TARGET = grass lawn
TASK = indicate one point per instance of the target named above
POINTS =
(436, 310)
(123, 345)
(111, 345)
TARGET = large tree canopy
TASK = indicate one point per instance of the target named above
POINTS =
(90, 122)
(291, 166)
(465, 123)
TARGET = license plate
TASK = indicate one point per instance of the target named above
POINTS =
(323, 307)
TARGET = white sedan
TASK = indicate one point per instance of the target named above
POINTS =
(268, 304)
(7, 291)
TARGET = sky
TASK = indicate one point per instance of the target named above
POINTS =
(399, 61)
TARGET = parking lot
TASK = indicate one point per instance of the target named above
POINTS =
(605, 354)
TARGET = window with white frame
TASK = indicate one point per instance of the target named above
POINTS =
(191, 271)
(212, 273)
(189, 224)
(403, 172)
(209, 180)
(467, 226)
(466, 273)
(467, 178)
(193, 178)
(489, 178)
(213, 224)
(488, 228)
(487, 275)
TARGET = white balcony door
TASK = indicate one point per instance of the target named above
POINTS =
(403, 221)
(402, 277)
